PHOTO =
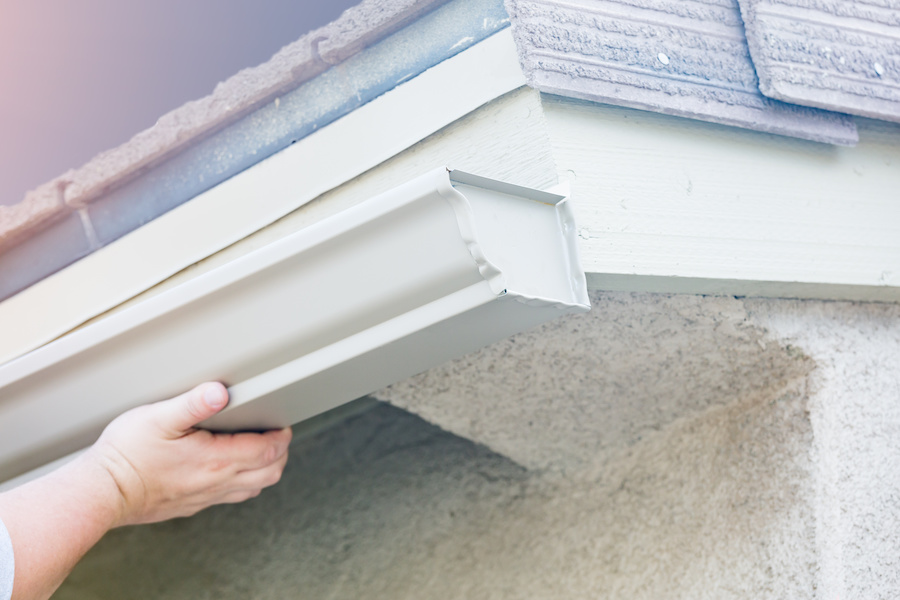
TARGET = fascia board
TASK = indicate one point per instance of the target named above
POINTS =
(277, 185)
(440, 266)
(677, 206)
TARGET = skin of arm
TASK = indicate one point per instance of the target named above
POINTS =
(150, 464)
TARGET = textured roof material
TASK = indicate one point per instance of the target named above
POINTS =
(324, 75)
(687, 58)
(40, 205)
(832, 54)
(300, 61)
(357, 28)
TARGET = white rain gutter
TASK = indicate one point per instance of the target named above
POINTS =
(438, 267)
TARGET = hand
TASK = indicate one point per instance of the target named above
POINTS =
(163, 467)
(150, 464)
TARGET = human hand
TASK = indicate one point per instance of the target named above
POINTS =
(163, 467)
(150, 464)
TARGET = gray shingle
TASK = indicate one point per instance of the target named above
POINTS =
(355, 29)
(204, 143)
(832, 54)
(40, 206)
(680, 57)
(175, 132)
(362, 25)
(233, 98)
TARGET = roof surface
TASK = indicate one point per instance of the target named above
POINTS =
(833, 54)
(687, 58)
(324, 75)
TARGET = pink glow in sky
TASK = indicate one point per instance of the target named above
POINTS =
(81, 76)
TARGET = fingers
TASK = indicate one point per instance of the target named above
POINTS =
(251, 451)
(242, 486)
(177, 469)
(222, 480)
(178, 415)
(258, 479)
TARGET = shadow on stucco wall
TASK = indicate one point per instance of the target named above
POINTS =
(676, 488)
(360, 509)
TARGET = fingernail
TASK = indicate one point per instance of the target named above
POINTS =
(214, 397)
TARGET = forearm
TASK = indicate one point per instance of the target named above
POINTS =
(53, 521)
(150, 464)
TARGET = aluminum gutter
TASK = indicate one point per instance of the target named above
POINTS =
(449, 263)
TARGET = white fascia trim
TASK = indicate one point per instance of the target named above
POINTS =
(438, 267)
(666, 204)
(260, 195)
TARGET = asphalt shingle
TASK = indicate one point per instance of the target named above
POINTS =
(324, 75)
(40, 206)
(300, 61)
(232, 99)
(364, 24)
(831, 54)
(680, 57)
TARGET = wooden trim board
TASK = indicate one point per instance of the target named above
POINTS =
(666, 204)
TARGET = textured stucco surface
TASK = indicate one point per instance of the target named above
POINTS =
(855, 414)
(831, 54)
(686, 57)
(583, 388)
(388, 506)
(748, 450)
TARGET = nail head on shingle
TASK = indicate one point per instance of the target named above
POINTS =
(662, 58)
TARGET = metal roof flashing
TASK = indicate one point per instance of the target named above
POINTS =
(447, 267)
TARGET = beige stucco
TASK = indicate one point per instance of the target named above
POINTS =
(659, 447)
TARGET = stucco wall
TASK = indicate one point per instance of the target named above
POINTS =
(854, 409)
(659, 447)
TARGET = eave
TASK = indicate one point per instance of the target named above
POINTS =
(663, 204)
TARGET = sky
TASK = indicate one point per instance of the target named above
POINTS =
(81, 76)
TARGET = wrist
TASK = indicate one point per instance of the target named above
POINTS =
(102, 486)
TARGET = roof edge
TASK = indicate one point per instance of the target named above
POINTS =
(300, 61)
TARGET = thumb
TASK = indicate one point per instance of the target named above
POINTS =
(180, 414)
